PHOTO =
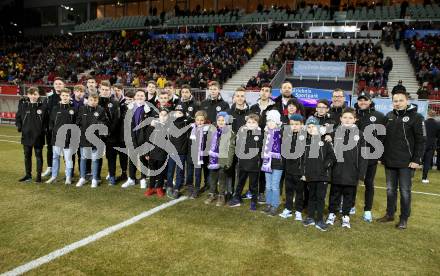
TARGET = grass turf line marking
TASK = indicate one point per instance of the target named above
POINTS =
(13, 136)
(92, 238)
(413, 192)
(8, 141)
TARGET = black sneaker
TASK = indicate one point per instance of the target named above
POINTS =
(234, 202)
(194, 195)
(402, 225)
(266, 210)
(321, 226)
(308, 222)
(273, 212)
(38, 178)
(122, 177)
(261, 199)
(25, 178)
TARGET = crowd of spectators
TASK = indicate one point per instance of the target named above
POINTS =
(130, 59)
(371, 67)
(424, 54)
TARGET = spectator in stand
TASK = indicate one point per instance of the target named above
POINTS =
(423, 92)
(398, 87)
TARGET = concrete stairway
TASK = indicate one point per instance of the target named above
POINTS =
(251, 68)
(402, 70)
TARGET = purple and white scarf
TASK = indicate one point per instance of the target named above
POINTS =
(272, 149)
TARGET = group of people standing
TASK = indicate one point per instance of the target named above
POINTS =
(211, 146)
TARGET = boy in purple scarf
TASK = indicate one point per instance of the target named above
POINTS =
(221, 154)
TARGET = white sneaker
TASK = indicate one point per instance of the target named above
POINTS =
(47, 172)
(346, 222)
(94, 183)
(331, 219)
(286, 213)
(298, 216)
(107, 177)
(128, 183)
(68, 180)
(51, 180)
(425, 181)
(143, 183)
(81, 182)
(368, 217)
(353, 210)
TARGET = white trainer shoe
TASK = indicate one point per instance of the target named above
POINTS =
(346, 222)
(353, 210)
(331, 219)
(68, 180)
(47, 172)
(128, 183)
(286, 213)
(52, 179)
(94, 183)
(81, 182)
(425, 181)
(143, 183)
(298, 216)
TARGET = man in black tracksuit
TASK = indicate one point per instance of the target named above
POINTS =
(189, 104)
(367, 115)
(432, 136)
(113, 113)
(214, 103)
(248, 150)
(53, 98)
(31, 122)
(403, 151)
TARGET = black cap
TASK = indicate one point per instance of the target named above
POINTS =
(364, 95)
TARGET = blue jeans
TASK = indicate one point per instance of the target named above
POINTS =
(273, 188)
(180, 172)
(399, 178)
(93, 154)
(67, 153)
(196, 173)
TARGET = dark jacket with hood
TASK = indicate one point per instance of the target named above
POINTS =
(88, 116)
(352, 167)
(368, 117)
(317, 169)
(249, 141)
(31, 121)
(239, 117)
(405, 139)
(190, 107)
(62, 114)
(113, 113)
(212, 107)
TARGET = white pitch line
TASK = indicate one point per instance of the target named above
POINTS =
(13, 136)
(8, 141)
(414, 192)
(92, 238)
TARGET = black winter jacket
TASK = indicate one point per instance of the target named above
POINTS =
(405, 139)
(62, 114)
(31, 121)
(353, 166)
(88, 116)
(249, 141)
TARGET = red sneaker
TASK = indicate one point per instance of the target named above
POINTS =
(150, 192)
(160, 192)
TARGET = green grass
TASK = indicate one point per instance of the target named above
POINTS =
(193, 238)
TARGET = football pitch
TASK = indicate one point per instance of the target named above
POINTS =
(187, 237)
